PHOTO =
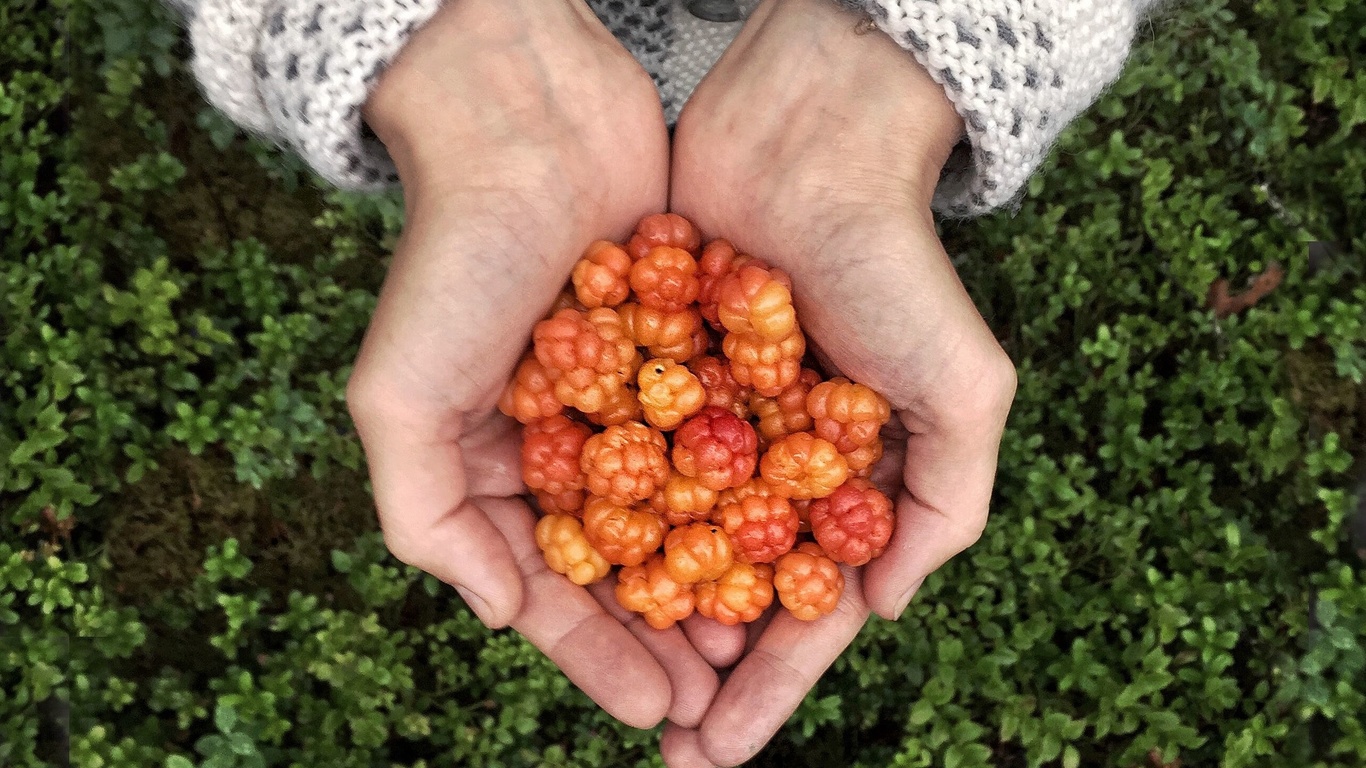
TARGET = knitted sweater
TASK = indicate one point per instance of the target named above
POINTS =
(298, 71)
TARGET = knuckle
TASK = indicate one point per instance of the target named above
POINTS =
(405, 547)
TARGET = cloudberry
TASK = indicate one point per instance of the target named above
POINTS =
(853, 524)
(669, 393)
(723, 391)
(803, 466)
(567, 551)
(803, 507)
(862, 459)
(550, 454)
(718, 260)
(847, 414)
(756, 300)
(665, 279)
(622, 535)
(785, 413)
(684, 500)
(768, 366)
(530, 395)
(601, 278)
(697, 552)
(648, 589)
(808, 583)
(622, 406)
(742, 594)
(717, 448)
(675, 335)
(566, 503)
(755, 486)
(587, 360)
(663, 229)
(760, 527)
(625, 463)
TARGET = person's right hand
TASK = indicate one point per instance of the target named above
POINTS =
(521, 131)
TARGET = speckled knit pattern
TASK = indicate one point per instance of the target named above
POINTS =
(298, 71)
(1018, 71)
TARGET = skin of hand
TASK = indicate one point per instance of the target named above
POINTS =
(816, 146)
(521, 131)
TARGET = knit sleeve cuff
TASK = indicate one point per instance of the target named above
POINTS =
(1017, 71)
(298, 72)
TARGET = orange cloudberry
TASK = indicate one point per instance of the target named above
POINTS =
(622, 406)
(649, 590)
(566, 503)
(530, 395)
(566, 550)
(675, 335)
(587, 360)
(808, 583)
(625, 463)
(623, 535)
(741, 595)
(665, 279)
(847, 414)
(864, 458)
(697, 552)
(684, 500)
(803, 466)
(601, 278)
(758, 300)
(768, 366)
(785, 413)
(669, 393)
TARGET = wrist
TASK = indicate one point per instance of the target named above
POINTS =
(842, 47)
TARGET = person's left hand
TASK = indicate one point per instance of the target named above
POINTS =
(817, 149)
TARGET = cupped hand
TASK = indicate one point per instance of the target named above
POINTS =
(521, 131)
(816, 146)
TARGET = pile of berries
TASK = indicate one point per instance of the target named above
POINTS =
(672, 429)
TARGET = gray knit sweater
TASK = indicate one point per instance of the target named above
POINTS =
(298, 71)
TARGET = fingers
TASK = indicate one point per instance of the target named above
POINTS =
(770, 682)
(719, 644)
(426, 511)
(693, 681)
(592, 648)
(682, 748)
(948, 474)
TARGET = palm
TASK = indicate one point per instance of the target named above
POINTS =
(501, 196)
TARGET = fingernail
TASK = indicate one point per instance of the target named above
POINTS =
(476, 604)
(906, 599)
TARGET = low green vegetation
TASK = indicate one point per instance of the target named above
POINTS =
(1169, 573)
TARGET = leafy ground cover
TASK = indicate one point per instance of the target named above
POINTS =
(1170, 574)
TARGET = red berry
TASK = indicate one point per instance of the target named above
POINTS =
(761, 528)
(663, 229)
(717, 448)
(588, 360)
(853, 524)
(723, 391)
(550, 454)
